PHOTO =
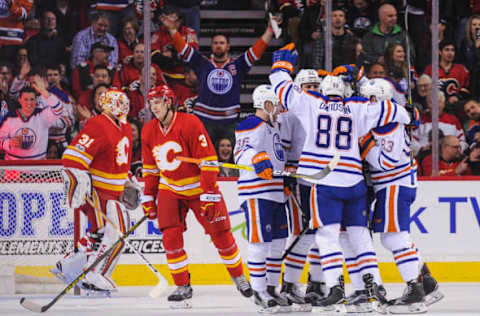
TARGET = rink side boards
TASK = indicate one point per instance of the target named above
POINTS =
(445, 223)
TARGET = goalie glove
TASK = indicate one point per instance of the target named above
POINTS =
(209, 204)
(77, 184)
(149, 207)
(285, 58)
(131, 195)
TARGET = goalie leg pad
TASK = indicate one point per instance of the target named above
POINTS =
(68, 268)
(77, 185)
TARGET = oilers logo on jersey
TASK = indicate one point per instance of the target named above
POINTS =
(278, 147)
(219, 81)
(29, 137)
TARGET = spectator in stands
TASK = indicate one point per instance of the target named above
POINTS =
(190, 9)
(225, 154)
(383, 33)
(130, 71)
(290, 13)
(343, 46)
(312, 27)
(220, 78)
(6, 77)
(21, 58)
(137, 100)
(472, 109)
(164, 53)
(395, 57)
(155, 9)
(94, 108)
(469, 52)
(453, 77)
(24, 133)
(82, 77)
(361, 17)
(136, 162)
(452, 162)
(423, 88)
(128, 39)
(448, 123)
(376, 70)
(187, 91)
(54, 150)
(46, 47)
(101, 74)
(12, 18)
(115, 10)
(86, 38)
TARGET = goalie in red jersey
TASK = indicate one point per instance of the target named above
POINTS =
(180, 186)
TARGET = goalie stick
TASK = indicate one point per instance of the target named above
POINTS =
(162, 282)
(317, 176)
(37, 308)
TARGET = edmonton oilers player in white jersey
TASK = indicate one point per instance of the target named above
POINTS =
(261, 196)
(332, 125)
(386, 149)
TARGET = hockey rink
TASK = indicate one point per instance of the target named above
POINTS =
(460, 299)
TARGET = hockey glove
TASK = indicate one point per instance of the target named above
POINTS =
(149, 207)
(209, 204)
(285, 58)
(414, 114)
(263, 166)
(289, 183)
(346, 71)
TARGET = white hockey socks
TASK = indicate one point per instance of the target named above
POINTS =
(274, 260)
(404, 254)
(295, 260)
(326, 238)
(315, 265)
(351, 263)
(256, 262)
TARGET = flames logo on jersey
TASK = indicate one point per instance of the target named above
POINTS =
(449, 86)
(122, 151)
(165, 156)
(219, 81)
(278, 148)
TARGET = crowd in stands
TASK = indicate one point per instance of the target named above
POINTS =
(80, 48)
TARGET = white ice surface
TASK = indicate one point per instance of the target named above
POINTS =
(460, 299)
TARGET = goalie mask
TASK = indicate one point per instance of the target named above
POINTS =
(308, 77)
(262, 94)
(379, 88)
(333, 86)
(116, 103)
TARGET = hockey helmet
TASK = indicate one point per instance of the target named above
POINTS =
(162, 92)
(115, 102)
(380, 88)
(262, 94)
(305, 76)
(332, 86)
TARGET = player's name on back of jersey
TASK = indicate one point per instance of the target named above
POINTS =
(335, 106)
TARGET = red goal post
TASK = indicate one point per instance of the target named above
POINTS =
(36, 227)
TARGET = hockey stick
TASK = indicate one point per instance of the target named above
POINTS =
(37, 308)
(302, 232)
(162, 282)
(317, 176)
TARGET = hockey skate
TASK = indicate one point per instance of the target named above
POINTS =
(334, 302)
(315, 290)
(282, 301)
(295, 297)
(411, 302)
(98, 282)
(363, 301)
(181, 298)
(243, 286)
(265, 303)
(430, 286)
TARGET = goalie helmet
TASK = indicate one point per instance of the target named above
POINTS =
(115, 102)
(307, 76)
(162, 92)
(379, 88)
(332, 85)
(262, 94)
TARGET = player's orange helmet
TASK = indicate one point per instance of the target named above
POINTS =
(162, 92)
(115, 102)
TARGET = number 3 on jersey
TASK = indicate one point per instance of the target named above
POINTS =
(343, 137)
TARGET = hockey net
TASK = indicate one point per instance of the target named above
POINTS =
(36, 227)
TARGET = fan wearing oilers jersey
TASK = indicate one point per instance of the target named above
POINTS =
(258, 144)
(332, 125)
(386, 149)
(293, 137)
(220, 78)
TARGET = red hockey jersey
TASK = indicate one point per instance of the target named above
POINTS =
(186, 136)
(104, 149)
(451, 82)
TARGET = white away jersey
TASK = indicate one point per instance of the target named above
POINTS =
(34, 131)
(389, 158)
(254, 135)
(333, 125)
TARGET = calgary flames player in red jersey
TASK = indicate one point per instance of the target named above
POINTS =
(180, 186)
(96, 169)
